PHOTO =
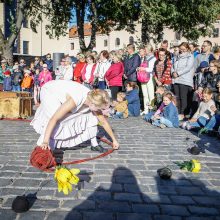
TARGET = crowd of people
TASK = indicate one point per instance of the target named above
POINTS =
(179, 87)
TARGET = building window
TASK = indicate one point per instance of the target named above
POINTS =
(25, 23)
(216, 32)
(131, 40)
(25, 47)
(72, 46)
(117, 42)
(177, 35)
(105, 43)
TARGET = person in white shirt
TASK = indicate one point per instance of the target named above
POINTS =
(101, 69)
(68, 71)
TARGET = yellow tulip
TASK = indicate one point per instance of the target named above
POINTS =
(75, 171)
(196, 166)
(65, 189)
(74, 180)
(60, 186)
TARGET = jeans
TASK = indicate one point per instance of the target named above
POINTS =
(16, 88)
(164, 121)
(118, 115)
(214, 122)
(201, 122)
(148, 116)
(102, 85)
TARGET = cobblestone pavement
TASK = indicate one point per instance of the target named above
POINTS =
(123, 185)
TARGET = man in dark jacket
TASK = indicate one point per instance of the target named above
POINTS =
(131, 63)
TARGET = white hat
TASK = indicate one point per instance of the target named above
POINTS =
(27, 71)
(15, 67)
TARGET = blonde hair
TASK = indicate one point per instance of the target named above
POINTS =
(207, 91)
(99, 97)
(216, 63)
(122, 95)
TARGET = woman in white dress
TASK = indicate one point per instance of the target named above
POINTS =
(68, 115)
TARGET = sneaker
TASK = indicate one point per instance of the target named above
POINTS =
(99, 148)
(162, 126)
(202, 131)
(184, 124)
(188, 126)
(181, 117)
(144, 112)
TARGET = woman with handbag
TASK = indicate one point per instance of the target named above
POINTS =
(144, 75)
(114, 75)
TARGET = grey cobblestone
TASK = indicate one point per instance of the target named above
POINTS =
(123, 185)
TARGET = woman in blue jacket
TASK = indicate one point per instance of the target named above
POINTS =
(169, 115)
(132, 96)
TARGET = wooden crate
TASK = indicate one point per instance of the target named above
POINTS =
(15, 104)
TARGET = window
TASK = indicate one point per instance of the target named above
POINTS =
(117, 42)
(25, 47)
(72, 46)
(25, 23)
(131, 40)
(105, 43)
(216, 32)
(177, 35)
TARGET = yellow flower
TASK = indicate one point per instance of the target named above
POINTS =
(196, 166)
(65, 178)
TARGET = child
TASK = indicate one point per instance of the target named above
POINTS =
(27, 81)
(36, 87)
(158, 103)
(7, 82)
(121, 106)
(169, 116)
(133, 99)
(17, 77)
(204, 112)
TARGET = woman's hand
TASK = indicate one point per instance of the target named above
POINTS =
(115, 145)
(45, 146)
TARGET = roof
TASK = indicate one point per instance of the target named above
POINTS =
(74, 33)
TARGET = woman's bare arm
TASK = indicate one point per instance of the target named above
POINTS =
(61, 112)
(109, 131)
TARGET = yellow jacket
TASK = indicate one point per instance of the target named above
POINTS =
(122, 107)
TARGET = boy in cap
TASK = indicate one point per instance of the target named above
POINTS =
(17, 77)
(7, 82)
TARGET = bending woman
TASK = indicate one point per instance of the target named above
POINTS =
(68, 115)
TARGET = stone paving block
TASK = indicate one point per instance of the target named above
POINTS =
(156, 198)
(133, 216)
(205, 200)
(132, 188)
(174, 210)
(111, 187)
(11, 192)
(202, 210)
(97, 215)
(146, 208)
(189, 190)
(131, 197)
(6, 214)
(200, 218)
(78, 204)
(114, 206)
(5, 182)
(182, 200)
(27, 183)
(124, 179)
(59, 215)
(33, 215)
(167, 217)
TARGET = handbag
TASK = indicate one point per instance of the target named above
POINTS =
(143, 76)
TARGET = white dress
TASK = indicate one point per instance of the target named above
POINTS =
(78, 126)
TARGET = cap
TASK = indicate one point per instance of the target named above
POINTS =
(204, 64)
(15, 67)
(27, 71)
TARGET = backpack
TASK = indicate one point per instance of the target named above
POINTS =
(143, 76)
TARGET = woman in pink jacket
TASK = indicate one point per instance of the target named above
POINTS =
(45, 75)
(114, 75)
